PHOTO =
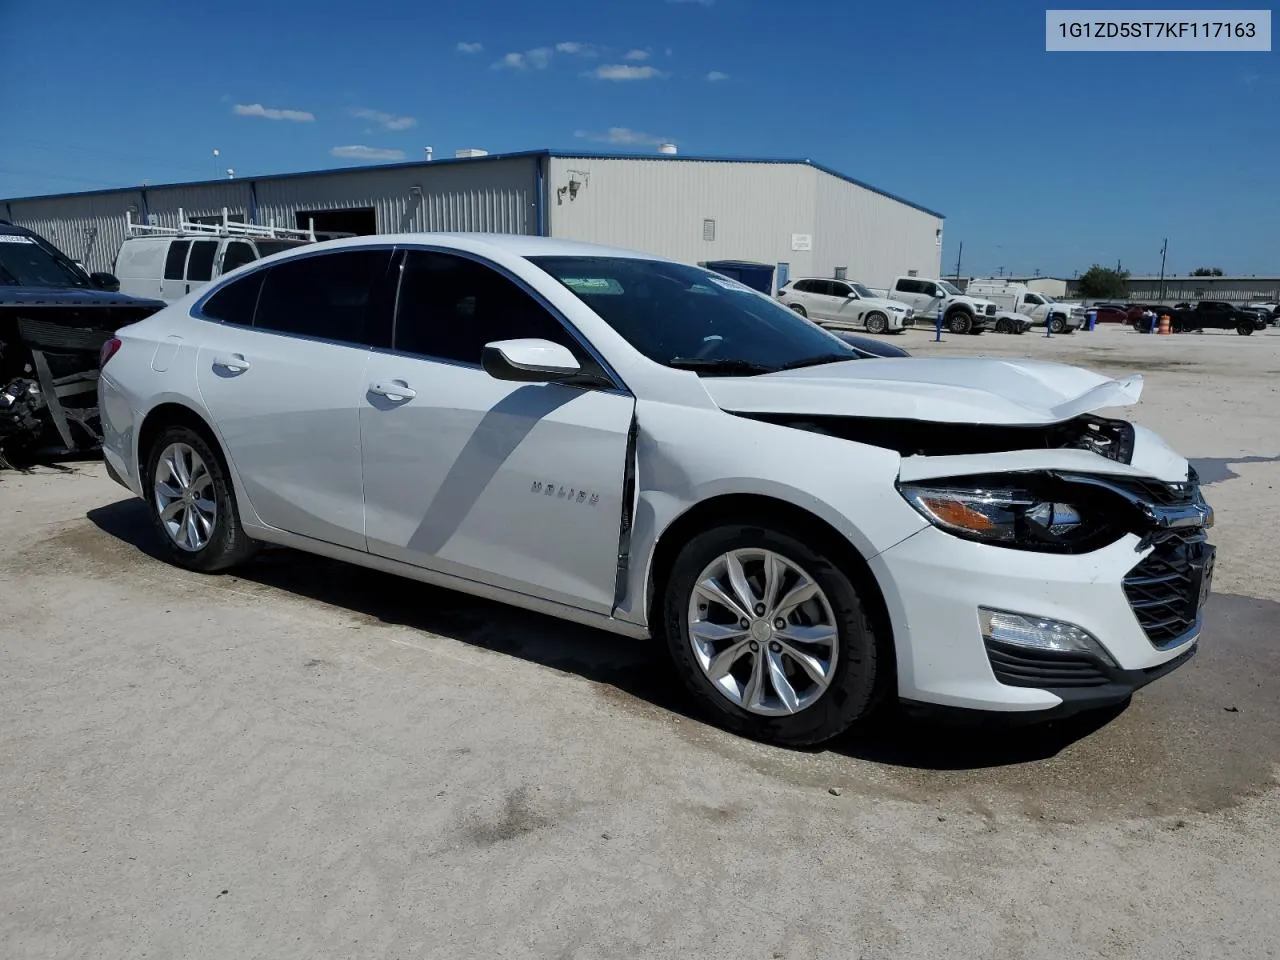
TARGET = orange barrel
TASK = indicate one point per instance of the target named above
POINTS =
(1164, 323)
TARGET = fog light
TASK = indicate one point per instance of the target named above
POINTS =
(1039, 633)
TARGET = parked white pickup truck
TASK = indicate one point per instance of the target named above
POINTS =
(1062, 317)
(960, 313)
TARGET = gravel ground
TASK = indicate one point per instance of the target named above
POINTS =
(312, 760)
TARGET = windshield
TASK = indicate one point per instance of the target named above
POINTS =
(953, 291)
(1047, 299)
(862, 291)
(685, 317)
(24, 263)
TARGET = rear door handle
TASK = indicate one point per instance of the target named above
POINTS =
(236, 363)
(394, 390)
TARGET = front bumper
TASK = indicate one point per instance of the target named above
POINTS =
(934, 583)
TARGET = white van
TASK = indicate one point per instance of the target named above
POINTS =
(165, 263)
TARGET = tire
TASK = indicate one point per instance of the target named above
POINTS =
(1057, 325)
(959, 322)
(218, 542)
(853, 682)
(1245, 329)
(798, 309)
(1004, 325)
(876, 323)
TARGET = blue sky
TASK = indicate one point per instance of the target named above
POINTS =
(1039, 161)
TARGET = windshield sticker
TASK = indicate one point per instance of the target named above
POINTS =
(592, 284)
(13, 238)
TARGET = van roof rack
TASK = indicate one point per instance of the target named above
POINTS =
(227, 228)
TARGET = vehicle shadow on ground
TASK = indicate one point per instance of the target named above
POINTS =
(639, 668)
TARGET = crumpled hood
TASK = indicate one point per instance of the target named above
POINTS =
(942, 390)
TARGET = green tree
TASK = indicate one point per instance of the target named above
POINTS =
(1207, 272)
(1103, 283)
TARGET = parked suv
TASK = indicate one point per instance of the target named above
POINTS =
(845, 303)
(652, 448)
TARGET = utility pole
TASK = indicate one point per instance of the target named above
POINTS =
(958, 256)
(1163, 251)
(1000, 271)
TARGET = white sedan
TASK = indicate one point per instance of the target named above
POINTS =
(653, 449)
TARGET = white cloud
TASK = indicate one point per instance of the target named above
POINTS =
(715, 76)
(387, 120)
(272, 113)
(636, 55)
(465, 47)
(623, 71)
(361, 152)
(576, 49)
(538, 58)
(622, 135)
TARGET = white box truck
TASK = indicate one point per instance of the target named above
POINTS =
(1062, 317)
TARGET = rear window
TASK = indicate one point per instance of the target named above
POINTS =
(175, 259)
(235, 302)
(200, 264)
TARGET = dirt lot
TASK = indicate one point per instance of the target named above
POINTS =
(312, 761)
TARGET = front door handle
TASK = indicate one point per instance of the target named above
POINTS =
(394, 390)
(235, 362)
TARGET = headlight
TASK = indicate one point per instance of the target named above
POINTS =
(1013, 513)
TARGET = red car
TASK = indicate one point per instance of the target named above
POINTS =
(1111, 312)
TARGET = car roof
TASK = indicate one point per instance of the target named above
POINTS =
(520, 245)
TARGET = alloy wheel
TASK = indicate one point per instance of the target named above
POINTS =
(763, 632)
(184, 497)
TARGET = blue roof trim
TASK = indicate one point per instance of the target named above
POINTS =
(329, 171)
(489, 158)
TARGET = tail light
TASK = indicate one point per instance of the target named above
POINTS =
(109, 350)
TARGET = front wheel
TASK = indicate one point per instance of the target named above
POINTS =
(1057, 325)
(192, 503)
(1245, 329)
(770, 636)
(877, 323)
(799, 309)
(959, 323)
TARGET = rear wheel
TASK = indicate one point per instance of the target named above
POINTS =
(877, 323)
(192, 504)
(770, 636)
(959, 322)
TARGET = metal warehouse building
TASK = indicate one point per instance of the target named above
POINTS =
(796, 216)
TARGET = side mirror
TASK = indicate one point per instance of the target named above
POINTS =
(105, 281)
(851, 295)
(528, 361)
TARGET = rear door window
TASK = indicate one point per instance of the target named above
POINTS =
(235, 302)
(176, 259)
(237, 254)
(331, 296)
(200, 263)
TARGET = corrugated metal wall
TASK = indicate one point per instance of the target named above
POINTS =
(491, 196)
(495, 196)
(659, 206)
(876, 238)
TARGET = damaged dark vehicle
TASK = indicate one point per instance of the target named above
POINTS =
(54, 321)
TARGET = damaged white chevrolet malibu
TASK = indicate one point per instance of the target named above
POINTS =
(654, 449)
